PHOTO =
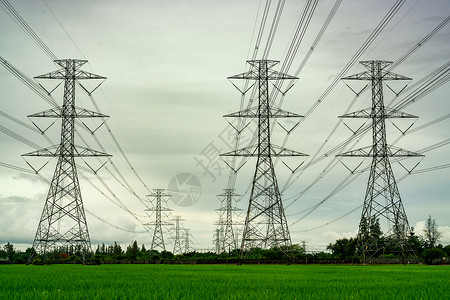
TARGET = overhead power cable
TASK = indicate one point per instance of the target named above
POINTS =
(7, 7)
(347, 180)
(388, 17)
(435, 168)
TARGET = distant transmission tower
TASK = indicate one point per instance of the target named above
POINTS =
(265, 224)
(177, 248)
(63, 221)
(382, 197)
(226, 222)
(217, 239)
(187, 244)
(159, 198)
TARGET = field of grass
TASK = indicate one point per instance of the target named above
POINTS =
(224, 282)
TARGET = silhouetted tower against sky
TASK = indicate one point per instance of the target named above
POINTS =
(226, 222)
(63, 221)
(382, 199)
(187, 244)
(265, 224)
(159, 200)
(177, 248)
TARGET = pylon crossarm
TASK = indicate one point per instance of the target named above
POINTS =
(49, 152)
(57, 113)
(363, 113)
(247, 151)
(245, 75)
(50, 113)
(58, 74)
(86, 152)
(361, 152)
(85, 113)
(366, 75)
(251, 112)
(394, 113)
(399, 152)
(61, 74)
(281, 113)
(281, 151)
(76, 62)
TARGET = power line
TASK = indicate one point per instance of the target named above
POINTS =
(7, 7)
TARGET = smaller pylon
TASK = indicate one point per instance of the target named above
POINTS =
(177, 248)
(217, 239)
(226, 221)
(187, 244)
(159, 200)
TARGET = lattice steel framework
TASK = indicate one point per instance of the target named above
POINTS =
(187, 241)
(265, 224)
(177, 248)
(159, 199)
(227, 240)
(63, 221)
(382, 198)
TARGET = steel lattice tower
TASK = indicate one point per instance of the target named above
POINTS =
(228, 241)
(265, 224)
(159, 197)
(217, 239)
(177, 248)
(187, 246)
(382, 197)
(63, 220)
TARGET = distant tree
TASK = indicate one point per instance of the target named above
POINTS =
(117, 250)
(375, 228)
(343, 248)
(415, 242)
(447, 250)
(430, 256)
(432, 234)
(132, 250)
(166, 255)
(9, 249)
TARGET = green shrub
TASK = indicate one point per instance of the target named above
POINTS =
(37, 262)
(433, 255)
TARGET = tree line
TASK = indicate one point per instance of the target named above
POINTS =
(426, 247)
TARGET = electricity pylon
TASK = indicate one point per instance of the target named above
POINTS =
(217, 239)
(159, 197)
(63, 221)
(187, 244)
(177, 248)
(265, 224)
(226, 211)
(382, 197)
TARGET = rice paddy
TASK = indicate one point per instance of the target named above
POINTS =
(224, 282)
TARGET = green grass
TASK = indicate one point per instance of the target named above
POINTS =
(224, 282)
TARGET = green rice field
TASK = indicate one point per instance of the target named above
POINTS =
(224, 282)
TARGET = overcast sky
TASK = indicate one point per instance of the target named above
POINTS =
(167, 64)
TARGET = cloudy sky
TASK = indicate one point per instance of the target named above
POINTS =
(167, 64)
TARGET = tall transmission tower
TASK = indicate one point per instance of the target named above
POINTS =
(63, 221)
(159, 200)
(265, 223)
(177, 248)
(226, 211)
(382, 197)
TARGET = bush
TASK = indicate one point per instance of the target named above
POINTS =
(37, 262)
(433, 255)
